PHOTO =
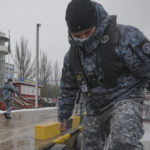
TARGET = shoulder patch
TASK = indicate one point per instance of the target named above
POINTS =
(146, 48)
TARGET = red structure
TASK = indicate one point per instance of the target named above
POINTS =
(26, 99)
(27, 89)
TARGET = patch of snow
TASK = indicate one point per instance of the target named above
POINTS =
(33, 109)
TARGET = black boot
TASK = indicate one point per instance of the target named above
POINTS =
(7, 116)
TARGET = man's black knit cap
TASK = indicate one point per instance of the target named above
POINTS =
(80, 15)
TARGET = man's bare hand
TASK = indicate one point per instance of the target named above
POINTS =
(62, 126)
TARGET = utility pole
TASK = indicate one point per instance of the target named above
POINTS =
(37, 64)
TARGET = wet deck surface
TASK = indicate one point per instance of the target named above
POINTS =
(18, 133)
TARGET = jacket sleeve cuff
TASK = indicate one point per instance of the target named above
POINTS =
(62, 119)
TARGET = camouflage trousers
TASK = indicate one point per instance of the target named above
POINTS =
(119, 129)
(9, 106)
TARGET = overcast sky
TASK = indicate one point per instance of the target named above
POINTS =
(21, 17)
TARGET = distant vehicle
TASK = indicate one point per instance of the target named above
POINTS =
(46, 101)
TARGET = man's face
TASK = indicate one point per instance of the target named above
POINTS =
(84, 34)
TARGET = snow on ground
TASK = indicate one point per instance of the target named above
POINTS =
(33, 109)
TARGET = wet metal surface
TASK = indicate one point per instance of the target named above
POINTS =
(18, 133)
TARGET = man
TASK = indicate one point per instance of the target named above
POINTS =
(7, 91)
(110, 64)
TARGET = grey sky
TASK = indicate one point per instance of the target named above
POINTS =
(21, 16)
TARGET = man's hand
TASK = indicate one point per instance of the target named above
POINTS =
(62, 126)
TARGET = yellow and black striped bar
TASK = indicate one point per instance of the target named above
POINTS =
(61, 139)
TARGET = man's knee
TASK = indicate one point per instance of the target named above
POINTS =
(127, 133)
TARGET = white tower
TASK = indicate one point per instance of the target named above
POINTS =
(3, 52)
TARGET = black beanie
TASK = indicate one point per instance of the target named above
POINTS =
(80, 15)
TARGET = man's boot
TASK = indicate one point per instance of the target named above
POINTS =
(7, 116)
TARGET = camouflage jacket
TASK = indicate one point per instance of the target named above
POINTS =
(7, 91)
(129, 85)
